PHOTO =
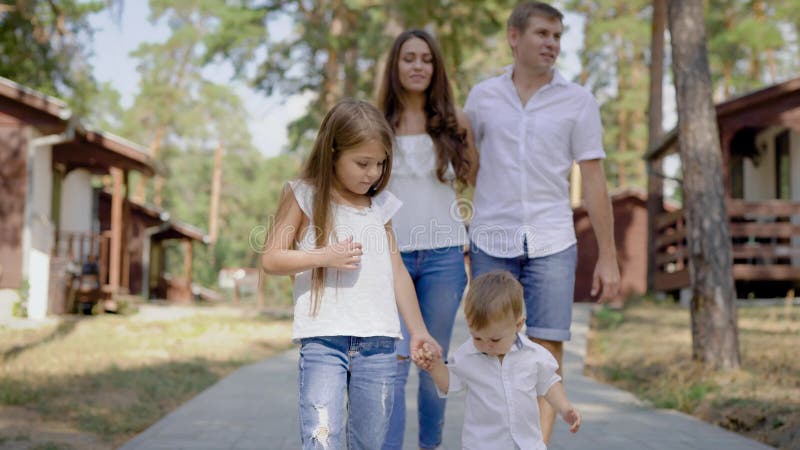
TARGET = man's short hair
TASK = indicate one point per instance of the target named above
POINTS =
(524, 11)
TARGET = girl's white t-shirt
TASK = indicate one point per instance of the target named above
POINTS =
(357, 302)
(435, 220)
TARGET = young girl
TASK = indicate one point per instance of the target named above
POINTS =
(433, 154)
(333, 232)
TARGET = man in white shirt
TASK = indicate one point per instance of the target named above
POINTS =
(530, 125)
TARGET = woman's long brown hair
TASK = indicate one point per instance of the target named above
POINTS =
(441, 122)
(348, 124)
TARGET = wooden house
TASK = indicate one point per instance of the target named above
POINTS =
(151, 228)
(53, 225)
(629, 207)
(760, 141)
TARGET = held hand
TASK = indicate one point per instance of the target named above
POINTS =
(426, 343)
(425, 357)
(343, 255)
(573, 418)
(605, 280)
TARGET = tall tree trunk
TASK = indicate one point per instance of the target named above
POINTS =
(760, 8)
(332, 85)
(584, 76)
(351, 74)
(161, 131)
(755, 57)
(622, 147)
(623, 84)
(392, 28)
(727, 70)
(637, 118)
(727, 66)
(771, 64)
(715, 339)
(155, 148)
(216, 188)
(655, 119)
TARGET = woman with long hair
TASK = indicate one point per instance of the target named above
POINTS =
(434, 158)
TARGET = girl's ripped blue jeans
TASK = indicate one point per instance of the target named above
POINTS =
(346, 390)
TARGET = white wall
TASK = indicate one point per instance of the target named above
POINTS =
(759, 181)
(671, 167)
(7, 299)
(37, 235)
(75, 213)
(76, 202)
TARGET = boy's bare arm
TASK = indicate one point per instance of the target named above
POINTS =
(426, 359)
(558, 400)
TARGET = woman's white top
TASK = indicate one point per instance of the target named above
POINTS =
(431, 216)
(357, 302)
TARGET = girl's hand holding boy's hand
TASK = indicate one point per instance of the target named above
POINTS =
(425, 357)
(572, 417)
(343, 255)
(421, 360)
(426, 343)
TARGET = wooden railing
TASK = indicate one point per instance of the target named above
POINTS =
(81, 248)
(672, 271)
(765, 238)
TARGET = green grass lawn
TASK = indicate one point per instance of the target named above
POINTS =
(94, 382)
(646, 349)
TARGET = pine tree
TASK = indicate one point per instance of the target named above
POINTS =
(715, 337)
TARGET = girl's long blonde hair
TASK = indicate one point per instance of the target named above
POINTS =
(348, 124)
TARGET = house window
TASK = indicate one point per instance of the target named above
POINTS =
(783, 167)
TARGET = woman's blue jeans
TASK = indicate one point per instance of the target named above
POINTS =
(439, 278)
(346, 377)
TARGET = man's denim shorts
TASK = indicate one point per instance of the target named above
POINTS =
(548, 283)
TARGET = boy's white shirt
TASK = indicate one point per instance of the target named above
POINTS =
(501, 406)
(357, 302)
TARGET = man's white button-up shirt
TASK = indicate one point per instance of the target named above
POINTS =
(526, 153)
(501, 407)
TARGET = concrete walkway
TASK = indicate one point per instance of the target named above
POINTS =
(256, 408)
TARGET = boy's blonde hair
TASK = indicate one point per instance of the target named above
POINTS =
(493, 296)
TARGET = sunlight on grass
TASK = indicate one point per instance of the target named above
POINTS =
(113, 376)
(646, 349)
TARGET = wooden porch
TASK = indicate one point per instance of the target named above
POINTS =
(89, 266)
(82, 261)
(79, 269)
(759, 135)
(765, 238)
